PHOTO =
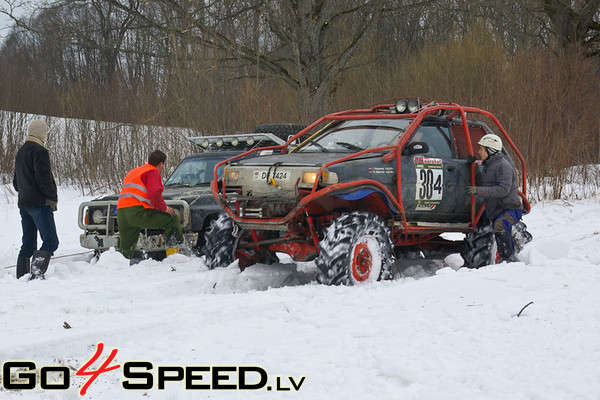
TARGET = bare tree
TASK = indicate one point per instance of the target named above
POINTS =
(575, 23)
(298, 42)
(558, 23)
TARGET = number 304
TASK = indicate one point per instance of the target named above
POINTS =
(430, 183)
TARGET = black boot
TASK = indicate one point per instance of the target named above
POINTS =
(506, 247)
(39, 263)
(22, 266)
(138, 257)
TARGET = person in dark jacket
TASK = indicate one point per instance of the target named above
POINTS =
(497, 184)
(141, 205)
(34, 182)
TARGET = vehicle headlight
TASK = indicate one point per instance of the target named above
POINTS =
(233, 176)
(235, 141)
(309, 177)
(98, 217)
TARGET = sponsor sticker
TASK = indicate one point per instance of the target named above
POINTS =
(382, 170)
(430, 182)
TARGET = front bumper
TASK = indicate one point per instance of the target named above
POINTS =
(157, 242)
(104, 235)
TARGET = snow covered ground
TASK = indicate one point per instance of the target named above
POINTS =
(454, 335)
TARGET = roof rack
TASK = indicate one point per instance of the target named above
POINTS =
(238, 141)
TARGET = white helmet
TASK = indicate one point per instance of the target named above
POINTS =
(492, 142)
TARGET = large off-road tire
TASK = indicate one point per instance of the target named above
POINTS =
(355, 249)
(200, 246)
(520, 235)
(480, 248)
(282, 131)
(220, 242)
(222, 247)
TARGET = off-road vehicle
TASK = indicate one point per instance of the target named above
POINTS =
(366, 187)
(187, 190)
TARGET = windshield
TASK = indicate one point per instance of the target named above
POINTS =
(194, 172)
(357, 135)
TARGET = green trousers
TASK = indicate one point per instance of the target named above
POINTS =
(132, 220)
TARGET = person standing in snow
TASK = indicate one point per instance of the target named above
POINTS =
(141, 205)
(497, 184)
(37, 201)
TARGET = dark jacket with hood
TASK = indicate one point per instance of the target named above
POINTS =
(497, 184)
(33, 177)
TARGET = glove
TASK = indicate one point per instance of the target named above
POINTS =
(471, 159)
(471, 190)
(53, 204)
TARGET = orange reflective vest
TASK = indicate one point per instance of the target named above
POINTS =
(133, 192)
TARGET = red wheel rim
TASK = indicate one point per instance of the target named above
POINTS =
(362, 262)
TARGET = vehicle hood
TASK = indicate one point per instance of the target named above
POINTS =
(175, 193)
(296, 159)
(184, 193)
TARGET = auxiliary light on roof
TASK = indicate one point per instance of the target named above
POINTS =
(406, 106)
(236, 142)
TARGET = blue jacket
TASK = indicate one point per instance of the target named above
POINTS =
(497, 184)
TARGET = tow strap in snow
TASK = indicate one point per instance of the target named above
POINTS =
(63, 256)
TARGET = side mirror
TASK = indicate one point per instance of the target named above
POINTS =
(415, 148)
(295, 142)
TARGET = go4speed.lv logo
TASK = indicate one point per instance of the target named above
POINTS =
(143, 375)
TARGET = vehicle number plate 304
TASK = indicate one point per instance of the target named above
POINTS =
(277, 175)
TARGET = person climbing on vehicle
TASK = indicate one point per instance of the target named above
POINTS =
(34, 182)
(497, 183)
(141, 205)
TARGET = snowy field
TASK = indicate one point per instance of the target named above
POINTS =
(453, 335)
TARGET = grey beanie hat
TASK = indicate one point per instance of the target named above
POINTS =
(39, 130)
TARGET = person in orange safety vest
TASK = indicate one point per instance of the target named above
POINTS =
(141, 206)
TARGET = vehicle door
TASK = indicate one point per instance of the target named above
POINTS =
(434, 179)
(476, 130)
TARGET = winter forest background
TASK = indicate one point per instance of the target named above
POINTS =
(133, 75)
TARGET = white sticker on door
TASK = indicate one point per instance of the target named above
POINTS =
(430, 183)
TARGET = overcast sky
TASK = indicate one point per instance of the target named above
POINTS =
(5, 21)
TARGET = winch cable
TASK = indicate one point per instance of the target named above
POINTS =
(274, 167)
(63, 256)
